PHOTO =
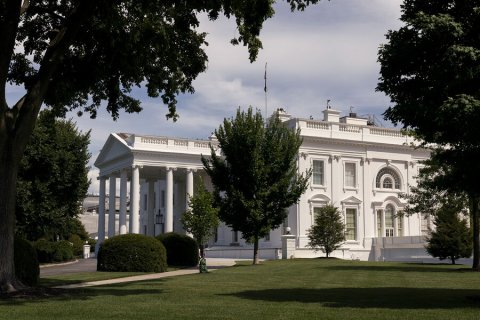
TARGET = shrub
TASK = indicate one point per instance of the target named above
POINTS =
(62, 251)
(26, 262)
(77, 244)
(44, 250)
(182, 250)
(132, 253)
(92, 242)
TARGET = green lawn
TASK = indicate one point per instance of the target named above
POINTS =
(284, 289)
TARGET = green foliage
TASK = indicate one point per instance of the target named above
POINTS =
(132, 253)
(429, 68)
(451, 239)
(77, 244)
(27, 269)
(105, 54)
(202, 219)
(62, 251)
(52, 180)
(182, 250)
(44, 249)
(328, 230)
(256, 179)
(49, 251)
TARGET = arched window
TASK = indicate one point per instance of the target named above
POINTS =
(387, 183)
(387, 178)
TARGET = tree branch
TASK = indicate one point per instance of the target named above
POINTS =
(9, 19)
(27, 111)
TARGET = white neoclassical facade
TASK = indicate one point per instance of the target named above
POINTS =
(359, 168)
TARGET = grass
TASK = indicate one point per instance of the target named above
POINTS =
(283, 289)
(58, 280)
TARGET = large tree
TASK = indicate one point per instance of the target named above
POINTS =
(83, 54)
(430, 70)
(256, 178)
(52, 179)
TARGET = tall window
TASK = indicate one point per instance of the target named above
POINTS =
(389, 220)
(379, 223)
(318, 176)
(400, 226)
(351, 224)
(425, 223)
(350, 175)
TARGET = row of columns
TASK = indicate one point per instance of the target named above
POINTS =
(135, 203)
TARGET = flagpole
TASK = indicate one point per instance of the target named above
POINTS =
(265, 90)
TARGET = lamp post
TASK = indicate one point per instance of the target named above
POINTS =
(159, 219)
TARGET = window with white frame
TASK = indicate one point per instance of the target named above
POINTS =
(387, 178)
(350, 224)
(425, 223)
(350, 174)
(318, 172)
(389, 221)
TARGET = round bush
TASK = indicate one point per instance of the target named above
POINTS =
(132, 253)
(27, 269)
(77, 244)
(62, 251)
(44, 250)
(182, 250)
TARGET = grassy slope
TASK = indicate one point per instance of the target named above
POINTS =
(294, 289)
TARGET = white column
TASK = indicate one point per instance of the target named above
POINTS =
(169, 201)
(111, 206)
(123, 202)
(189, 189)
(134, 200)
(101, 214)
(150, 208)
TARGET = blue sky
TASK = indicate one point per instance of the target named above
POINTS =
(329, 51)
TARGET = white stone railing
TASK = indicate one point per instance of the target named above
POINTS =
(318, 125)
(349, 128)
(166, 142)
(153, 140)
(344, 131)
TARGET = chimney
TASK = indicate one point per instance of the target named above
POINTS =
(331, 115)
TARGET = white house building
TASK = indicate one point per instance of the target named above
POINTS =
(360, 168)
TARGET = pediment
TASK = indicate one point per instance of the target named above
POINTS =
(114, 148)
(319, 198)
(351, 200)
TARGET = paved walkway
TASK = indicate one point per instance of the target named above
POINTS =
(90, 265)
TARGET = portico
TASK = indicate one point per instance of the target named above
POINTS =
(160, 169)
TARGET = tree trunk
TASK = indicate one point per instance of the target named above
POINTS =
(474, 211)
(8, 181)
(328, 253)
(202, 251)
(255, 251)
(453, 261)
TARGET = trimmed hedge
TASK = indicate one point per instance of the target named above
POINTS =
(48, 251)
(132, 253)
(62, 251)
(182, 250)
(27, 269)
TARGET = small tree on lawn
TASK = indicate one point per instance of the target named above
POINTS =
(328, 230)
(451, 238)
(201, 219)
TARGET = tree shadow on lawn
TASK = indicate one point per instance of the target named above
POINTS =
(406, 267)
(46, 294)
(390, 298)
